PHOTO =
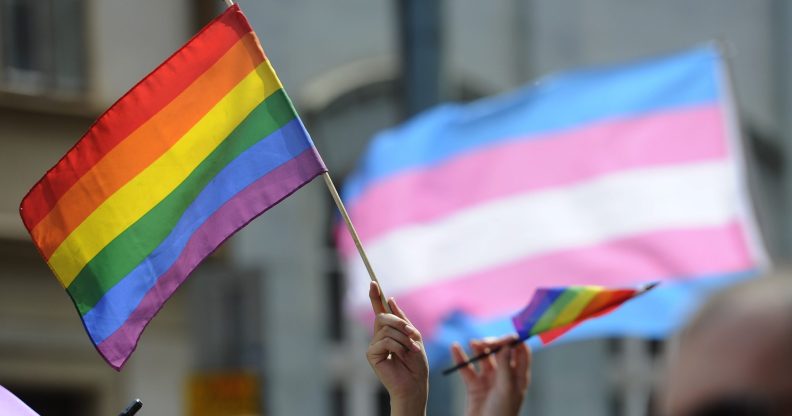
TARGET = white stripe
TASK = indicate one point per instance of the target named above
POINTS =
(588, 213)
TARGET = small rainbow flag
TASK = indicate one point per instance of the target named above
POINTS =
(191, 154)
(554, 311)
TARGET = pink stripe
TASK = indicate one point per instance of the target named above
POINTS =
(657, 256)
(541, 162)
(233, 215)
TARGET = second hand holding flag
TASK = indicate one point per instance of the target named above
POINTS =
(554, 311)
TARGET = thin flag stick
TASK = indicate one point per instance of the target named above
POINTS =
(340, 204)
(520, 339)
(485, 354)
(132, 408)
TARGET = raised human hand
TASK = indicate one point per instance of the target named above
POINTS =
(396, 354)
(498, 387)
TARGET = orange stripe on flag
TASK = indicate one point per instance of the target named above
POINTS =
(146, 144)
(133, 109)
(603, 304)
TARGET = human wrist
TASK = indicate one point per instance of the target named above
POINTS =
(469, 411)
(473, 409)
(410, 405)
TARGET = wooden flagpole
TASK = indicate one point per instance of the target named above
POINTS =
(340, 204)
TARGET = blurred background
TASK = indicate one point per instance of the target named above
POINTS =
(259, 328)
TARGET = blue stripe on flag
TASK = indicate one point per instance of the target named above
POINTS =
(120, 301)
(565, 101)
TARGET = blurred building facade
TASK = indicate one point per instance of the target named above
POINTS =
(270, 302)
(61, 63)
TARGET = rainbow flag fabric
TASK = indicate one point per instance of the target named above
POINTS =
(610, 176)
(197, 149)
(554, 311)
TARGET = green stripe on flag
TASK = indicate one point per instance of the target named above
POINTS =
(131, 247)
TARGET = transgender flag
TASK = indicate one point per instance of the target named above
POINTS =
(610, 177)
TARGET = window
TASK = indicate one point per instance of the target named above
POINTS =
(43, 47)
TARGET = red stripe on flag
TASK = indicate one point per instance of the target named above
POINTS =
(602, 304)
(133, 109)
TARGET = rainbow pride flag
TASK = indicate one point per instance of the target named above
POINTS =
(554, 311)
(610, 176)
(197, 149)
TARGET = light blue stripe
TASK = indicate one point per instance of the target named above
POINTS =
(566, 101)
(118, 303)
(654, 315)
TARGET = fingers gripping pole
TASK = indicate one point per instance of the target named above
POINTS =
(485, 354)
(340, 204)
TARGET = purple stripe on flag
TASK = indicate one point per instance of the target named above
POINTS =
(522, 166)
(235, 214)
(542, 300)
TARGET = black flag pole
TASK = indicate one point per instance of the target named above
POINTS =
(520, 339)
(486, 354)
(132, 408)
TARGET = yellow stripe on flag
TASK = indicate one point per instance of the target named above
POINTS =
(573, 308)
(158, 180)
(126, 160)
